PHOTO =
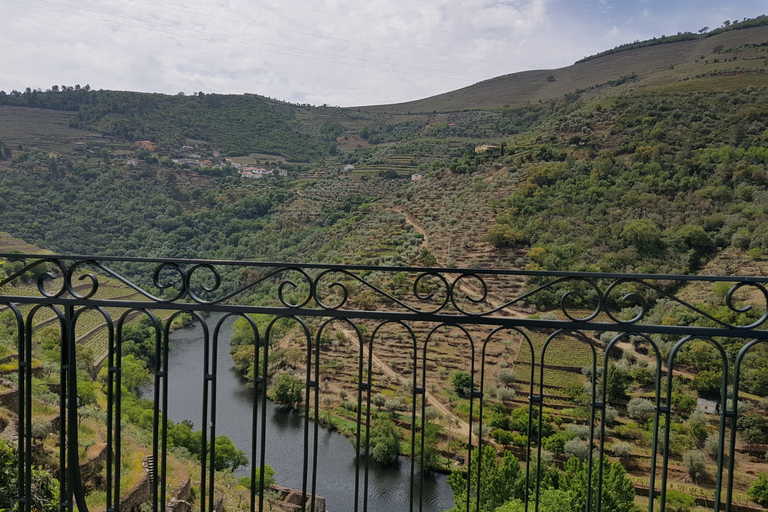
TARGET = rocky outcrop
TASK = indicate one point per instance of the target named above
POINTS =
(290, 499)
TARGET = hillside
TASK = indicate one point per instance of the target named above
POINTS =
(653, 65)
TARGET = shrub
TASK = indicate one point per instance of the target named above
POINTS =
(505, 394)
(622, 449)
(507, 376)
(759, 490)
(712, 445)
(462, 383)
(696, 463)
(640, 408)
(577, 448)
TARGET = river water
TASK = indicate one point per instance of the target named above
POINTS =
(389, 486)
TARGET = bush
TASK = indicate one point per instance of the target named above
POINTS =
(640, 408)
(462, 383)
(622, 449)
(696, 464)
(507, 376)
(759, 490)
(712, 445)
(505, 394)
(753, 428)
(577, 448)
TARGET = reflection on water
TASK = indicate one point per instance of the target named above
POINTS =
(388, 486)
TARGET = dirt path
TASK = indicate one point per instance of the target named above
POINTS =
(475, 291)
(431, 398)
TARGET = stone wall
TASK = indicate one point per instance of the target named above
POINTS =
(140, 493)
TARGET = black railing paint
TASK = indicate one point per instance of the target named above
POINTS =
(437, 298)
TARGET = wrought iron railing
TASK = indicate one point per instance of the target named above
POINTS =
(487, 311)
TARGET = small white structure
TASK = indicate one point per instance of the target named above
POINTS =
(707, 406)
(415, 177)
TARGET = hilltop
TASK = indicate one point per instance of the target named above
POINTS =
(650, 64)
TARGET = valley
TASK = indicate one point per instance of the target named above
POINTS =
(650, 159)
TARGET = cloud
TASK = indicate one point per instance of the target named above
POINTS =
(340, 52)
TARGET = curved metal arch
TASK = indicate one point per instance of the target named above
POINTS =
(690, 307)
(530, 395)
(583, 337)
(735, 417)
(308, 383)
(114, 402)
(24, 404)
(616, 339)
(668, 411)
(69, 275)
(471, 398)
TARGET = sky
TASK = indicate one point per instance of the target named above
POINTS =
(335, 52)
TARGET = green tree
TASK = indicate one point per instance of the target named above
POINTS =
(431, 455)
(499, 481)
(677, 501)
(502, 235)
(616, 382)
(556, 442)
(462, 383)
(707, 383)
(288, 390)
(618, 493)
(385, 441)
(644, 235)
(758, 491)
(45, 489)
(696, 464)
(134, 374)
(269, 478)
(228, 456)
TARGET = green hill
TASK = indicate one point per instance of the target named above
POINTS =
(652, 65)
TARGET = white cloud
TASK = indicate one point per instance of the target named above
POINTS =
(342, 52)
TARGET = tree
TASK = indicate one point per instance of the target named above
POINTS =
(379, 400)
(385, 441)
(502, 235)
(753, 428)
(758, 491)
(707, 383)
(500, 482)
(644, 235)
(462, 383)
(228, 456)
(556, 442)
(45, 489)
(640, 408)
(577, 448)
(618, 493)
(269, 478)
(696, 463)
(288, 390)
(507, 376)
(431, 456)
(677, 501)
(134, 374)
(616, 381)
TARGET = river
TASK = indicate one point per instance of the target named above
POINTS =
(388, 486)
